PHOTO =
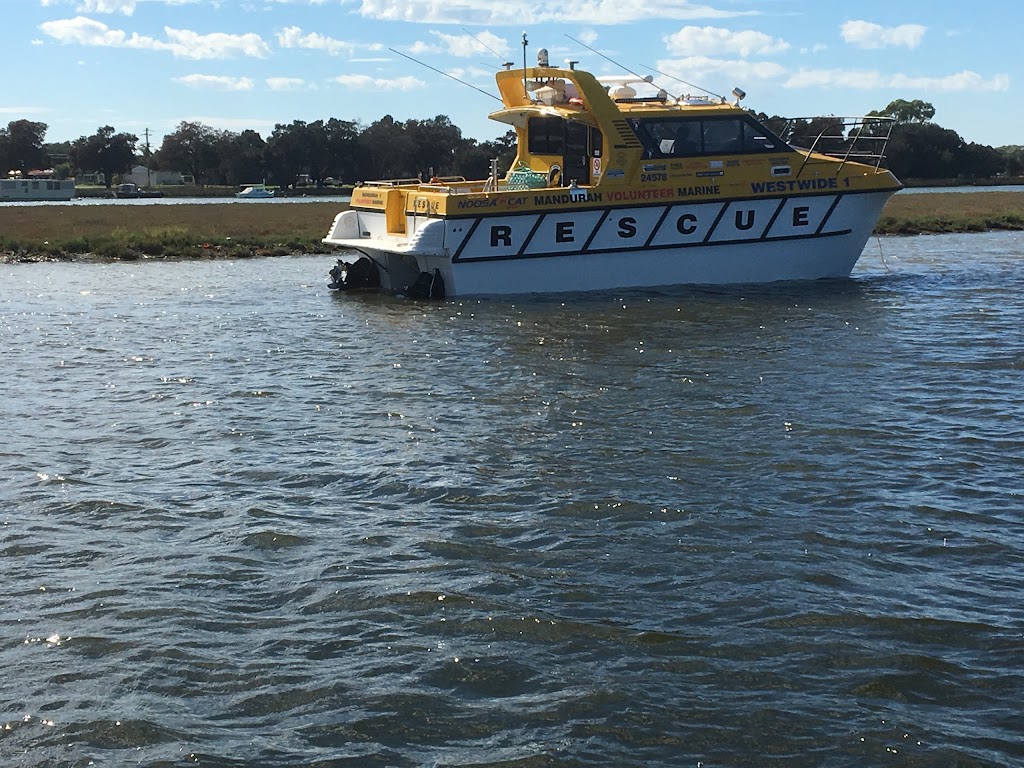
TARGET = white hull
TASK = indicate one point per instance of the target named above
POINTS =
(255, 193)
(592, 249)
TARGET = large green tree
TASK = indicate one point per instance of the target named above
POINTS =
(106, 152)
(288, 152)
(435, 143)
(241, 158)
(338, 156)
(473, 159)
(191, 148)
(21, 146)
(904, 111)
(386, 150)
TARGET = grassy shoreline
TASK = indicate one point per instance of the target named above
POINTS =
(229, 230)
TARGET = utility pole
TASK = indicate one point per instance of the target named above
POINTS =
(149, 162)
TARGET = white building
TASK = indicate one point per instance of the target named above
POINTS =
(143, 177)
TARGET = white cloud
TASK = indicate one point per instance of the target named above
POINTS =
(286, 84)
(867, 35)
(870, 80)
(718, 75)
(85, 31)
(216, 82)
(471, 73)
(367, 83)
(127, 7)
(182, 43)
(22, 111)
(421, 47)
(715, 40)
(483, 43)
(216, 45)
(293, 37)
(518, 12)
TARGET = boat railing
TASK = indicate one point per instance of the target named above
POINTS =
(849, 139)
(392, 183)
(449, 184)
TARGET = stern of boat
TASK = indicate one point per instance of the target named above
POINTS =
(389, 250)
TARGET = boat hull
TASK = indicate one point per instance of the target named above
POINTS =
(593, 249)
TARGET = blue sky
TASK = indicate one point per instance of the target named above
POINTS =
(77, 65)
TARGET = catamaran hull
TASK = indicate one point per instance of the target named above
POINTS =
(593, 249)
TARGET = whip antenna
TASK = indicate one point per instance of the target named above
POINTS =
(691, 85)
(482, 44)
(442, 72)
(608, 58)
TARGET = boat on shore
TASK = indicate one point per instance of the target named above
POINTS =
(255, 192)
(614, 188)
(35, 186)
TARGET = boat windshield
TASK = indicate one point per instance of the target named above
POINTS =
(693, 136)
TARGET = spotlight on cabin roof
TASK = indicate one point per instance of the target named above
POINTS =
(740, 94)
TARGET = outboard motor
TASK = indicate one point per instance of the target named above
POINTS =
(429, 285)
(364, 274)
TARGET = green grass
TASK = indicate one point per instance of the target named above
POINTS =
(134, 232)
(232, 230)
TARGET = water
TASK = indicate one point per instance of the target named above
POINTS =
(247, 522)
(91, 201)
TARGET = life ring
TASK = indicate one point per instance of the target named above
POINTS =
(555, 176)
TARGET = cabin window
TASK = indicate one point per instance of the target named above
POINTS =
(722, 137)
(691, 136)
(546, 136)
(757, 138)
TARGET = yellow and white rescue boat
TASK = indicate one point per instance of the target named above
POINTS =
(611, 189)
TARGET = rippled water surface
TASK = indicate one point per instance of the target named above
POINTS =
(247, 522)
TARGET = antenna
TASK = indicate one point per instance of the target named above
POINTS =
(441, 72)
(672, 77)
(483, 44)
(608, 58)
(526, 91)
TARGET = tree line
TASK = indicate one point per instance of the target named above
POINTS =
(344, 152)
(320, 152)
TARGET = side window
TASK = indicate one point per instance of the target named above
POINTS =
(546, 136)
(687, 139)
(722, 137)
(757, 138)
(669, 138)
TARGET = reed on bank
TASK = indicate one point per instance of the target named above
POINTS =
(240, 230)
(168, 231)
(937, 212)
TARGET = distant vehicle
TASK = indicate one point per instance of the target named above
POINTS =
(35, 186)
